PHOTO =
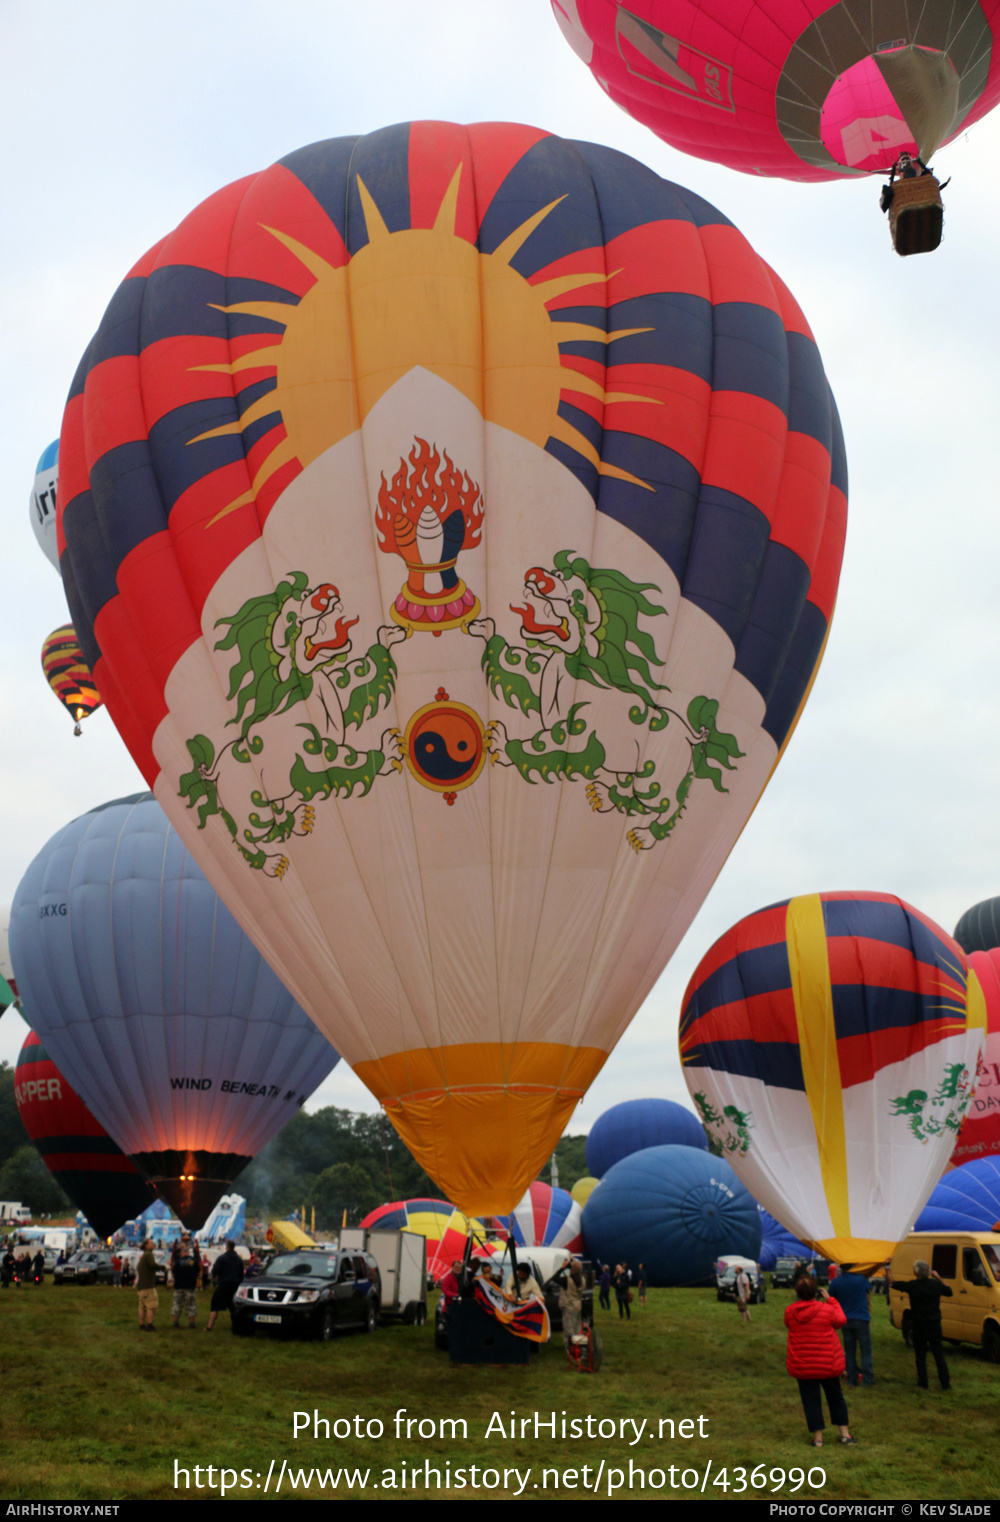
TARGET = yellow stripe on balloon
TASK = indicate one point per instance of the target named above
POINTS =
(975, 1004)
(805, 935)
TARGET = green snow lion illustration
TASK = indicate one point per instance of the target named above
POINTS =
(580, 623)
(292, 646)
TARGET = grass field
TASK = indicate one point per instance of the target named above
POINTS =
(92, 1410)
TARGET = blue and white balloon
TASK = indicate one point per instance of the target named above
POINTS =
(43, 503)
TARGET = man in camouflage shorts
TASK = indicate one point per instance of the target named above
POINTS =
(186, 1264)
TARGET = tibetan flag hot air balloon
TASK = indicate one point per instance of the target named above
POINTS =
(455, 553)
(163, 1016)
(830, 1044)
(69, 676)
(980, 1133)
(445, 1228)
(804, 89)
(78, 1152)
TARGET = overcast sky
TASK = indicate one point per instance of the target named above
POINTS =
(117, 119)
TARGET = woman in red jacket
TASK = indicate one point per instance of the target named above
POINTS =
(815, 1356)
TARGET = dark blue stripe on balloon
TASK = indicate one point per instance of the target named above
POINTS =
(795, 676)
(382, 159)
(682, 332)
(838, 458)
(889, 922)
(118, 333)
(182, 299)
(727, 551)
(97, 577)
(129, 506)
(177, 461)
(859, 1008)
(663, 517)
(776, 1063)
(631, 195)
(551, 170)
(251, 394)
(750, 352)
(763, 970)
(808, 391)
(323, 169)
(582, 421)
(777, 605)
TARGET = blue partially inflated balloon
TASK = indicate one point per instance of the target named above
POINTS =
(676, 1210)
(160, 1011)
(778, 1242)
(966, 1199)
(637, 1124)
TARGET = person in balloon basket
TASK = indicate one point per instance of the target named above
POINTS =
(145, 1283)
(571, 1303)
(852, 1293)
(185, 1261)
(925, 1291)
(815, 1357)
(527, 1285)
(227, 1273)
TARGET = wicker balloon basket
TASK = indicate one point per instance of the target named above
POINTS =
(916, 215)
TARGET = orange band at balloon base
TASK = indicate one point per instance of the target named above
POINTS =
(482, 1119)
(866, 1255)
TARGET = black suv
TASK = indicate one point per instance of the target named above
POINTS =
(86, 1267)
(311, 1291)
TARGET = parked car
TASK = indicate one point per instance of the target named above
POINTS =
(785, 1271)
(969, 1263)
(86, 1267)
(726, 1270)
(310, 1291)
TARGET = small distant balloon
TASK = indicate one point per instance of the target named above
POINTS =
(69, 676)
(979, 927)
(546, 1217)
(583, 1189)
(42, 506)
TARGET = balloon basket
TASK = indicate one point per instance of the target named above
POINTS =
(474, 1337)
(916, 216)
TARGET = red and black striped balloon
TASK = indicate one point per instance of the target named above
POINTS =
(82, 1158)
(68, 674)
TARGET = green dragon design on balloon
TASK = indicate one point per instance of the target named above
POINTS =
(579, 624)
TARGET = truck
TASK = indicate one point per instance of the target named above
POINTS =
(13, 1213)
(402, 1262)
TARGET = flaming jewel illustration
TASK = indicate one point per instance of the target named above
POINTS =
(427, 517)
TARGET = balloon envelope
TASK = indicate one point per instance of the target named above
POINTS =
(979, 927)
(161, 1013)
(966, 1199)
(583, 1189)
(455, 567)
(804, 89)
(980, 1133)
(546, 1217)
(445, 1228)
(830, 1043)
(42, 506)
(637, 1124)
(675, 1209)
(68, 674)
(78, 1152)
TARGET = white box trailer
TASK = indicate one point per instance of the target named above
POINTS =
(402, 1264)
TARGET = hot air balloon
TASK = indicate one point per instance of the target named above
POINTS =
(8, 991)
(830, 1043)
(78, 1152)
(583, 1189)
(979, 927)
(637, 1124)
(462, 608)
(546, 1217)
(980, 1133)
(675, 1209)
(69, 676)
(445, 1228)
(42, 506)
(161, 1013)
(803, 89)
(966, 1199)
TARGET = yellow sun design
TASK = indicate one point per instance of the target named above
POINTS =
(421, 296)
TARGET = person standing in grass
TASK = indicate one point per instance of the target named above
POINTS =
(643, 1280)
(743, 1295)
(620, 1282)
(186, 1263)
(604, 1298)
(851, 1292)
(815, 1357)
(227, 1271)
(146, 1286)
(925, 1291)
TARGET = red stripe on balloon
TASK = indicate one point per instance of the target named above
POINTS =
(856, 959)
(861, 1057)
(202, 239)
(147, 263)
(278, 199)
(791, 313)
(204, 549)
(758, 1017)
(766, 928)
(172, 377)
(74, 476)
(135, 705)
(803, 492)
(495, 152)
(435, 151)
(736, 272)
(746, 448)
(112, 407)
(826, 570)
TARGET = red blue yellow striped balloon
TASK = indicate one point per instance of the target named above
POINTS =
(68, 674)
(830, 1043)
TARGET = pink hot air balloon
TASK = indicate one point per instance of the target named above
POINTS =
(802, 89)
